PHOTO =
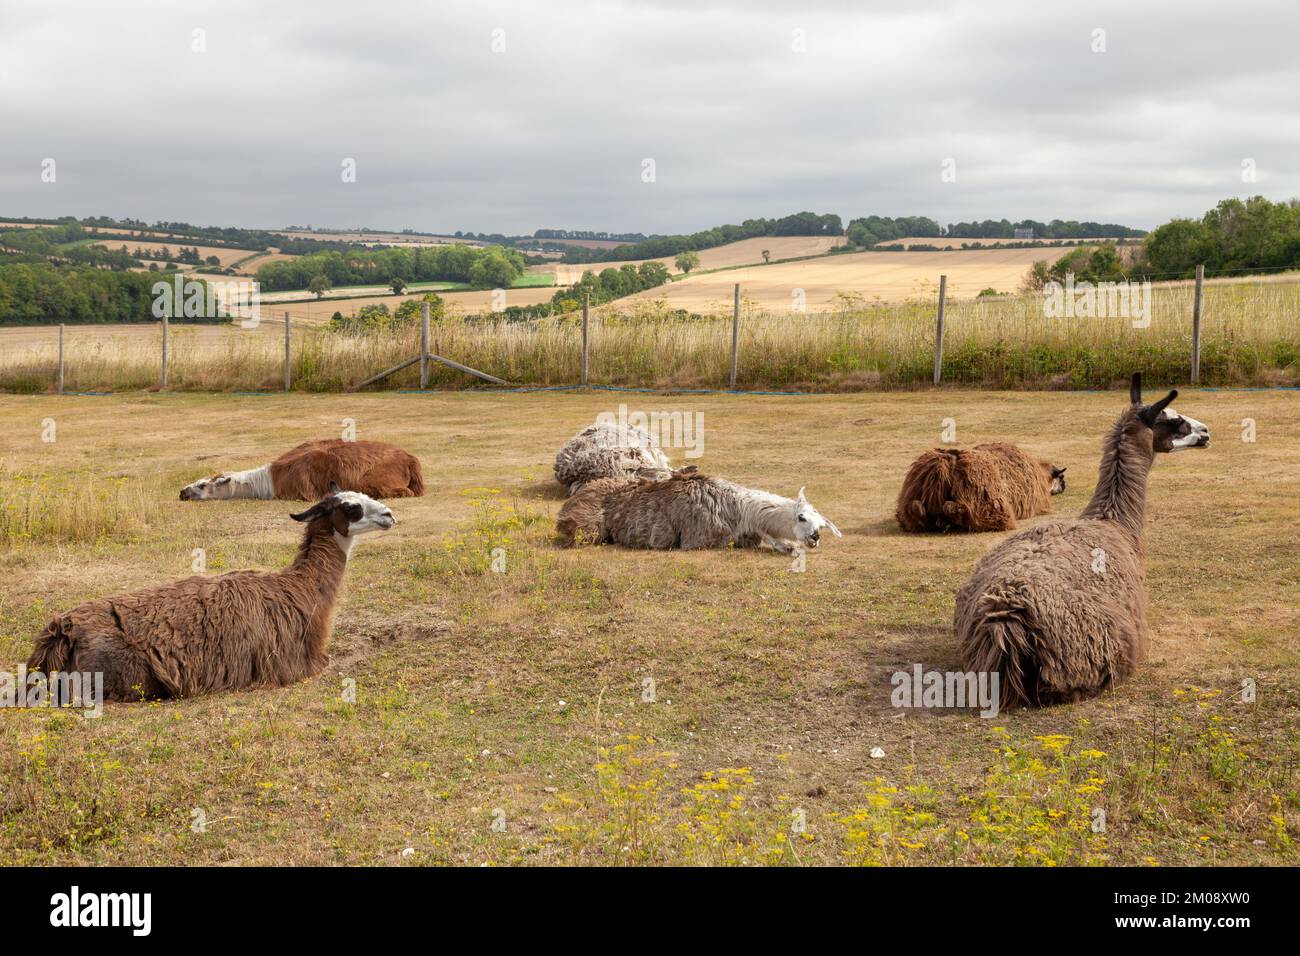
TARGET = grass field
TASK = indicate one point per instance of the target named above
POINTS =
(506, 717)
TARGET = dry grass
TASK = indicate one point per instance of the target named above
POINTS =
(522, 691)
(1251, 336)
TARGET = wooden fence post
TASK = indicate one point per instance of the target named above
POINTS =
(938, 332)
(735, 335)
(166, 350)
(60, 358)
(286, 351)
(586, 318)
(1196, 326)
(424, 345)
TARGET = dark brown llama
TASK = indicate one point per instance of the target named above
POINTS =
(204, 634)
(1059, 611)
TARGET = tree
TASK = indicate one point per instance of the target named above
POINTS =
(397, 284)
(686, 261)
(319, 285)
(767, 255)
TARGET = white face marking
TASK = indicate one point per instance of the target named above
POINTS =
(808, 523)
(375, 516)
(205, 488)
(1199, 437)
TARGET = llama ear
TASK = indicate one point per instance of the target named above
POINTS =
(1135, 389)
(334, 488)
(313, 512)
(834, 530)
(1152, 413)
(801, 498)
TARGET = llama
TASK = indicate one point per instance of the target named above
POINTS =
(608, 450)
(372, 468)
(985, 488)
(204, 634)
(688, 510)
(1059, 610)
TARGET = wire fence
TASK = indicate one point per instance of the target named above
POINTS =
(1234, 330)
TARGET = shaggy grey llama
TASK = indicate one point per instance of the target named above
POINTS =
(688, 510)
(608, 450)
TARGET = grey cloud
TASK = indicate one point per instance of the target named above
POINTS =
(448, 134)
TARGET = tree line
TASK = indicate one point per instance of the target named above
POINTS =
(41, 293)
(491, 267)
(798, 224)
(870, 230)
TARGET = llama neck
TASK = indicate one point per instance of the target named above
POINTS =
(322, 558)
(764, 513)
(1122, 481)
(253, 483)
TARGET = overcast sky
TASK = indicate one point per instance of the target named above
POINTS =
(510, 115)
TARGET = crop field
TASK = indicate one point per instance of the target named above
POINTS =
(227, 256)
(519, 703)
(862, 276)
(745, 252)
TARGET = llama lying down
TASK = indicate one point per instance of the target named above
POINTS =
(606, 450)
(985, 488)
(204, 634)
(371, 468)
(688, 510)
(1059, 610)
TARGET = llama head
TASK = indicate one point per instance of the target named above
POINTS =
(808, 523)
(216, 486)
(350, 513)
(1170, 431)
(1056, 480)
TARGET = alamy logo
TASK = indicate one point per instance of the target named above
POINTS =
(82, 691)
(947, 689)
(684, 430)
(210, 299)
(1102, 300)
(75, 908)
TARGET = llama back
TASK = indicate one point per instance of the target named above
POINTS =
(1086, 600)
(162, 636)
(688, 510)
(376, 469)
(1020, 481)
(601, 451)
(985, 488)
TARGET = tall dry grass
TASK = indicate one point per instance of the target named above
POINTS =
(1251, 336)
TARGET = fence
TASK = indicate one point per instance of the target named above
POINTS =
(1246, 325)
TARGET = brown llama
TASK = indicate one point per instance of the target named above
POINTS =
(204, 634)
(372, 468)
(985, 488)
(1059, 611)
